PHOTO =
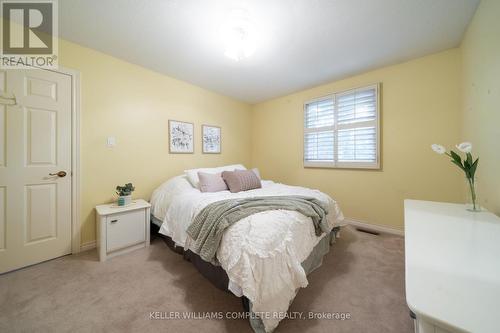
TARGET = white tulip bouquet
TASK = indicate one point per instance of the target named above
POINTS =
(468, 166)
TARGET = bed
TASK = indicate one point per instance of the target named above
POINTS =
(263, 258)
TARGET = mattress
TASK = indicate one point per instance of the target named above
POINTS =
(156, 221)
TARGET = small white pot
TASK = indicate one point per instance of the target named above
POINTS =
(124, 200)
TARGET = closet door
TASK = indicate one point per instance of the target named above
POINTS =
(35, 167)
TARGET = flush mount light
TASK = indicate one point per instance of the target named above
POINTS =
(239, 37)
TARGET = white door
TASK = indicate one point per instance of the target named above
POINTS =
(35, 145)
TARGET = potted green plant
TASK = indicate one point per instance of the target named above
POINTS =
(125, 194)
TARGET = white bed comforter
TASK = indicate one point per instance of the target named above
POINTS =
(262, 254)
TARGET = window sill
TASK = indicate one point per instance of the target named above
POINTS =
(345, 166)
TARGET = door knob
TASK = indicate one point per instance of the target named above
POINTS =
(59, 174)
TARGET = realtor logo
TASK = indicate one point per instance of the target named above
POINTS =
(29, 34)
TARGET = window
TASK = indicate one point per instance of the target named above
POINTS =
(342, 130)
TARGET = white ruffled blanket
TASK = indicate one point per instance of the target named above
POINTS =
(262, 254)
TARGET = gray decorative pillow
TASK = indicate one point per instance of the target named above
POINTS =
(241, 180)
(211, 182)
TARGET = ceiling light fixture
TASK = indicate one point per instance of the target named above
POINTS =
(239, 36)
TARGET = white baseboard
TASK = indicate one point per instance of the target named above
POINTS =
(88, 246)
(374, 227)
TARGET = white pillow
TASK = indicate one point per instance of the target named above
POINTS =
(257, 173)
(162, 197)
(192, 175)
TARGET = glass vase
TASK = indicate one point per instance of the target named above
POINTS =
(472, 198)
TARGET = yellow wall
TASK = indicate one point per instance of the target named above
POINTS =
(134, 105)
(481, 87)
(420, 105)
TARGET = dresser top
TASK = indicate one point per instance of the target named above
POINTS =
(453, 265)
(113, 208)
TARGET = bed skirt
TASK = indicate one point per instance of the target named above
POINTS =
(218, 277)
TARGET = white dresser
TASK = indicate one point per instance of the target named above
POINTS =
(452, 268)
(122, 229)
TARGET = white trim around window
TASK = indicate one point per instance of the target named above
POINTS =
(342, 130)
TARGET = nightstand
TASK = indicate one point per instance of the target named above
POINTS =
(122, 229)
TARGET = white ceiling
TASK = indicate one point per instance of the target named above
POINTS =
(301, 43)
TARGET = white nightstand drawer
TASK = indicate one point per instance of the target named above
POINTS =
(125, 229)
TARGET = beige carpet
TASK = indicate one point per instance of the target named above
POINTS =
(362, 276)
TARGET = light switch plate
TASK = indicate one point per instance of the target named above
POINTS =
(111, 141)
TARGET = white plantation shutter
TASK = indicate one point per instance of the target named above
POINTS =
(319, 146)
(342, 130)
(357, 127)
(318, 134)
